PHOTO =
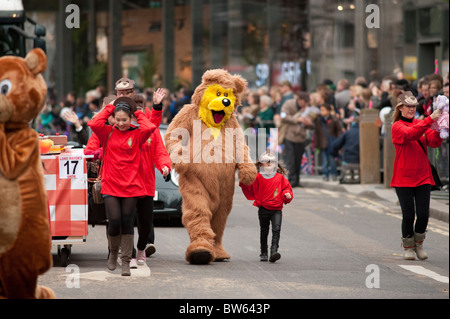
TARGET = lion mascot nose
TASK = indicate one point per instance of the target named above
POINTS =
(226, 102)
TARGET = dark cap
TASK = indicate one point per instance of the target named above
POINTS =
(125, 103)
(407, 98)
(124, 84)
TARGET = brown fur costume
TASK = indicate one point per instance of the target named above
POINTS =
(207, 146)
(25, 240)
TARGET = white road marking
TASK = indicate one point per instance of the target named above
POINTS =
(425, 272)
(330, 193)
(103, 275)
(381, 209)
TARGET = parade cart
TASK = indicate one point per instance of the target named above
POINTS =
(66, 183)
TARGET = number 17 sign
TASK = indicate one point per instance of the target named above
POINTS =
(70, 167)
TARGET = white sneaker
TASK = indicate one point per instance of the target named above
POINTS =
(140, 256)
(133, 263)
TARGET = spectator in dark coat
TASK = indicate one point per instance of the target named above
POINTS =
(349, 142)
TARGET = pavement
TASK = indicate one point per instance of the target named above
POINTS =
(439, 203)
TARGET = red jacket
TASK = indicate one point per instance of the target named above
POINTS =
(411, 165)
(268, 192)
(153, 154)
(94, 147)
(120, 171)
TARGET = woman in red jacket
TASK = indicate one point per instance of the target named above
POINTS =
(121, 182)
(412, 177)
(270, 191)
(153, 154)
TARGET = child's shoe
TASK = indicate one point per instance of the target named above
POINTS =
(263, 256)
(274, 255)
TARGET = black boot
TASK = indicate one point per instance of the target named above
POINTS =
(263, 256)
(276, 229)
(263, 243)
(274, 254)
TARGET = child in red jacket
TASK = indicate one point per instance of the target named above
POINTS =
(270, 191)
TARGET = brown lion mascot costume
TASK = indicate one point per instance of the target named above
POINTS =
(25, 239)
(207, 146)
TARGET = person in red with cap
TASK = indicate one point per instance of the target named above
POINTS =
(121, 182)
(412, 177)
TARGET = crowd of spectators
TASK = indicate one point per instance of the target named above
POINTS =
(262, 107)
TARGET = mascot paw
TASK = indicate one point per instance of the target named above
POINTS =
(221, 254)
(200, 252)
(44, 293)
(247, 175)
(200, 257)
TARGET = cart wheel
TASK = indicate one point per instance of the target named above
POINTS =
(64, 257)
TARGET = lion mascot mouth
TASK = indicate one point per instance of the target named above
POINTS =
(218, 116)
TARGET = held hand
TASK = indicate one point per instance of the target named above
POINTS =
(158, 96)
(288, 195)
(436, 114)
(165, 171)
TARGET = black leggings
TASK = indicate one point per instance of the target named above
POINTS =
(266, 216)
(120, 213)
(145, 222)
(414, 200)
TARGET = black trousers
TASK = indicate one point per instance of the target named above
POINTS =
(144, 209)
(292, 157)
(414, 201)
(267, 216)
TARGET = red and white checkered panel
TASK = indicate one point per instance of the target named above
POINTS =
(67, 199)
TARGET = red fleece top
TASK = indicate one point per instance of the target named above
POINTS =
(411, 165)
(93, 146)
(268, 193)
(120, 171)
(153, 154)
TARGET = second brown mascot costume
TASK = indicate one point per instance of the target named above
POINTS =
(207, 146)
(25, 239)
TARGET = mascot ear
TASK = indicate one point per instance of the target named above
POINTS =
(240, 83)
(36, 61)
(214, 76)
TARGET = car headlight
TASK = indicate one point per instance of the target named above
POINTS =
(174, 177)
